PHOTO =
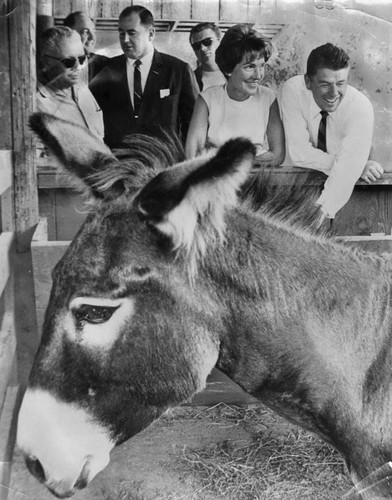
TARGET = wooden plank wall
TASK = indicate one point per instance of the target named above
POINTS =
(18, 201)
(8, 379)
(214, 10)
(22, 73)
(7, 324)
(225, 10)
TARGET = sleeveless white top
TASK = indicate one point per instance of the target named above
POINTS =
(229, 118)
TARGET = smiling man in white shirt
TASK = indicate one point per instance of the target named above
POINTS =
(329, 126)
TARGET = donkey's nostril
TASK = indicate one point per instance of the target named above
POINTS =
(35, 468)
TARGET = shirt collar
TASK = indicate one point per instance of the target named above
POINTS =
(314, 108)
(145, 60)
(48, 91)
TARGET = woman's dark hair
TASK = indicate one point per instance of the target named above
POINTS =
(239, 41)
(327, 56)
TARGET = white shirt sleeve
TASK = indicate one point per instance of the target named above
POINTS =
(300, 151)
(351, 159)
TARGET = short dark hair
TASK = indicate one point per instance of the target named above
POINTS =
(327, 56)
(146, 18)
(70, 20)
(205, 26)
(239, 41)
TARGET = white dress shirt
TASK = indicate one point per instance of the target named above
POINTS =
(349, 139)
(146, 62)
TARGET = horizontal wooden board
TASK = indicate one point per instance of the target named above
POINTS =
(5, 170)
(220, 389)
(185, 24)
(374, 243)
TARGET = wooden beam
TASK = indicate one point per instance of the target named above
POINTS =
(8, 421)
(5, 170)
(6, 191)
(23, 82)
(6, 240)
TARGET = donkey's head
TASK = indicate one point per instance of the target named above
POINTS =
(127, 332)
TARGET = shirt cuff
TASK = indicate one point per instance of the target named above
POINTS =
(327, 210)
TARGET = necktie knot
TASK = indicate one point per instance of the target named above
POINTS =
(324, 114)
(137, 63)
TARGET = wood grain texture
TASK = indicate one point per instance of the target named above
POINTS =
(23, 77)
(5, 170)
(5, 85)
(205, 10)
(368, 211)
(6, 249)
(8, 425)
(61, 8)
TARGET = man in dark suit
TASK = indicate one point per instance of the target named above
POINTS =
(80, 22)
(143, 91)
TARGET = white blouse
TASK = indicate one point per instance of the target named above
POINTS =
(229, 118)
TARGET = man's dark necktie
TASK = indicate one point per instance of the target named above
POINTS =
(322, 132)
(137, 88)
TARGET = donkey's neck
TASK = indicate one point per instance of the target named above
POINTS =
(295, 304)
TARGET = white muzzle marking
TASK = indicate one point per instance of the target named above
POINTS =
(64, 439)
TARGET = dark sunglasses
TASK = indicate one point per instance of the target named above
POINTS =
(69, 62)
(206, 42)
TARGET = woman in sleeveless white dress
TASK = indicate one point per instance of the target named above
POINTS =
(242, 107)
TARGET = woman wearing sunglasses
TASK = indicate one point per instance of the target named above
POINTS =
(60, 91)
(242, 107)
(204, 39)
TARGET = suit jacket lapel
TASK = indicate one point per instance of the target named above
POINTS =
(123, 82)
(151, 90)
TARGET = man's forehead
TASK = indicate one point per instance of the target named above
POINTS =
(70, 47)
(131, 22)
(201, 35)
(328, 74)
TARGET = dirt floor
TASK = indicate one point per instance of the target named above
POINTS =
(210, 453)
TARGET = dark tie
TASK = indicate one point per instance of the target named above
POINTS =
(322, 133)
(137, 88)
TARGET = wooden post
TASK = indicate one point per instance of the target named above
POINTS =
(44, 16)
(23, 81)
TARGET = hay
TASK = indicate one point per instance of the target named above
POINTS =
(292, 465)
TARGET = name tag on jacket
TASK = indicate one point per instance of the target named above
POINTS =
(164, 93)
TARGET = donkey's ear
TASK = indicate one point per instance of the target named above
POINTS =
(193, 196)
(77, 149)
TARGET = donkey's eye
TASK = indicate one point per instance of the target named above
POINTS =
(93, 314)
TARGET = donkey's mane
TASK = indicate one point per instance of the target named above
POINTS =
(288, 199)
(141, 158)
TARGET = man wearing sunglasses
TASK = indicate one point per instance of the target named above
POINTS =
(83, 24)
(61, 59)
(143, 90)
(204, 39)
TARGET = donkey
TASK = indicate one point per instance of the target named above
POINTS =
(170, 275)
